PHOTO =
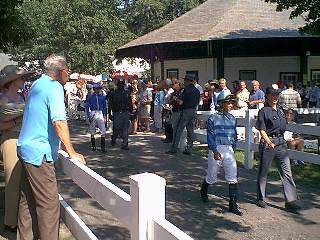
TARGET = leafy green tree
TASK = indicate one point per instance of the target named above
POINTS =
(175, 9)
(87, 32)
(143, 16)
(12, 27)
(309, 9)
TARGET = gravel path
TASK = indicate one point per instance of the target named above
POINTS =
(183, 206)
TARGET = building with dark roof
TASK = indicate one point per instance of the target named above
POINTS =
(235, 39)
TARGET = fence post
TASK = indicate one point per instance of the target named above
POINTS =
(248, 153)
(147, 192)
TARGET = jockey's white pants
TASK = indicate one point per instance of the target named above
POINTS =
(97, 120)
(228, 162)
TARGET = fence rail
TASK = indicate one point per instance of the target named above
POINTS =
(247, 119)
(142, 212)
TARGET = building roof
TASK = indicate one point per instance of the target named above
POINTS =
(225, 19)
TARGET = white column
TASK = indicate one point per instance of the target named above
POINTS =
(248, 152)
(147, 192)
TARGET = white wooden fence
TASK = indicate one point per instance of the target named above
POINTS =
(142, 212)
(246, 118)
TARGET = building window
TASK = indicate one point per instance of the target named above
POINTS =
(292, 77)
(193, 73)
(315, 75)
(248, 75)
(173, 73)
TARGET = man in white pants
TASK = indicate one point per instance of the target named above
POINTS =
(222, 138)
(96, 110)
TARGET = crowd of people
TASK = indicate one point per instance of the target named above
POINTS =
(34, 126)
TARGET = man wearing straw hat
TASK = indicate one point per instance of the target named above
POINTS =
(44, 126)
(11, 110)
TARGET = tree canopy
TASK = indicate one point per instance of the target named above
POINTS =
(12, 27)
(86, 32)
(143, 16)
(310, 9)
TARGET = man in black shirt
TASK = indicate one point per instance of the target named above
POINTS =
(272, 124)
(119, 103)
(189, 102)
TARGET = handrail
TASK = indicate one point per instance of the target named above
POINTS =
(137, 211)
(249, 146)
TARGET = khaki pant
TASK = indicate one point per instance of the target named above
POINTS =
(39, 209)
(12, 174)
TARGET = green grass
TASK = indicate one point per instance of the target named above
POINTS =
(308, 174)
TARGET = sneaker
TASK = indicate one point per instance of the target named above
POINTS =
(171, 152)
(292, 206)
(261, 203)
(93, 149)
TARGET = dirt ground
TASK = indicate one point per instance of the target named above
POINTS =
(184, 174)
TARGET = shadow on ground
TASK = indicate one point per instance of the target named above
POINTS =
(184, 209)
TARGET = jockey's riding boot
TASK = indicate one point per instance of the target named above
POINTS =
(93, 143)
(204, 191)
(233, 207)
(103, 144)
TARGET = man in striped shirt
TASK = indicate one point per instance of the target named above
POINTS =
(222, 138)
(289, 98)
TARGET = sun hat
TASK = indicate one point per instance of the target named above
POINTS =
(273, 90)
(190, 77)
(225, 97)
(96, 85)
(11, 72)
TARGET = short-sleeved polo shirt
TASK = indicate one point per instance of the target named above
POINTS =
(272, 121)
(44, 106)
(257, 95)
(190, 97)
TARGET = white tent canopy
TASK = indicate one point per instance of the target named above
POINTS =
(136, 66)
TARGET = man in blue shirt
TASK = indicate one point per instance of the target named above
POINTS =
(222, 138)
(97, 115)
(256, 98)
(222, 89)
(44, 126)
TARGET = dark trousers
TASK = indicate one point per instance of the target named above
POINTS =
(168, 131)
(39, 208)
(121, 126)
(280, 154)
(186, 120)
